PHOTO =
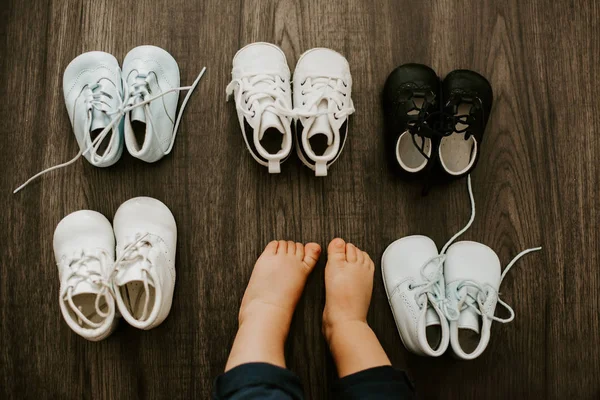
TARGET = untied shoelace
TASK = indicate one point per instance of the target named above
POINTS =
(435, 292)
(128, 257)
(95, 101)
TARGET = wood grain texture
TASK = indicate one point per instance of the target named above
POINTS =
(537, 182)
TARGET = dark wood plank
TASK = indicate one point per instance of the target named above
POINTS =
(537, 183)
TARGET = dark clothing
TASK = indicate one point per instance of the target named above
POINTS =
(263, 381)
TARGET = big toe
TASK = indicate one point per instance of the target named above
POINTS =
(337, 250)
(312, 251)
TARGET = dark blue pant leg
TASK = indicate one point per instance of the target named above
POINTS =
(258, 381)
(379, 383)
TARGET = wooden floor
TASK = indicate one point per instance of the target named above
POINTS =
(537, 183)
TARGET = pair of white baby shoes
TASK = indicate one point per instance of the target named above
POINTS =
(138, 282)
(262, 89)
(445, 298)
(136, 107)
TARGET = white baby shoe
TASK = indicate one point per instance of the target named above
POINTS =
(263, 98)
(150, 130)
(84, 248)
(322, 104)
(473, 278)
(144, 275)
(412, 272)
(97, 102)
(93, 92)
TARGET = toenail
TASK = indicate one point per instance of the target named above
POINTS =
(340, 244)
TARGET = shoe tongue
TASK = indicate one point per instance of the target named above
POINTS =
(270, 120)
(139, 114)
(86, 286)
(468, 318)
(432, 317)
(130, 274)
(99, 120)
(321, 125)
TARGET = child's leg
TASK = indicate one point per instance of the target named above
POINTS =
(255, 369)
(362, 364)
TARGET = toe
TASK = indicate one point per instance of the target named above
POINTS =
(312, 251)
(360, 256)
(367, 260)
(351, 253)
(282, 249)
(300, 251)
(291, 247)
(337, 250)
(271, 247)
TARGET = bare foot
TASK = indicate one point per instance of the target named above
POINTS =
(276, 284)
(349, 285)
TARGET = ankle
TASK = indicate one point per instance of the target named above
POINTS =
(331, 329)
(269, 319)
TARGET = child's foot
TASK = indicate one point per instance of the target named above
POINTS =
(277, 282)
(348, 283)
(274, 289)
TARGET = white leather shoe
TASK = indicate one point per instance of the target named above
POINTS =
(473, 278)
(93, 92)
(322, 104)
(84, 248)
(263, 98)
(150, 130)
(412, 273)
(144, 276)
(96, 105)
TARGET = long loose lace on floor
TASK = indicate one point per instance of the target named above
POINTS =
(117, 115)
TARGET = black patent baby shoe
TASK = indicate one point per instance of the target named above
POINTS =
(411, 108)
(467, 102)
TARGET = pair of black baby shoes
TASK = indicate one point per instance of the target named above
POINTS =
(435, 127)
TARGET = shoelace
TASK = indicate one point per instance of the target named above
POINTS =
(326, 88)
(433, 288)
(95, 100)
(482, 292)
(77, 265)
(248, 93)
(137, 92)
(132, 255)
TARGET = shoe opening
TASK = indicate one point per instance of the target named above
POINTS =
(468, 339)
(103, 143)
(272, 140)
(138, 301)
(434, 336)
(409, 157)
(457, 155)
(318, 144)
(139, 132)
(86, 304)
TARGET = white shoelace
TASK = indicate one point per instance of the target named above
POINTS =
(483, 291)
(433, 288)
(132, 254)
(95, 100)
(80, 272)
(325, 88)
(248, 95)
